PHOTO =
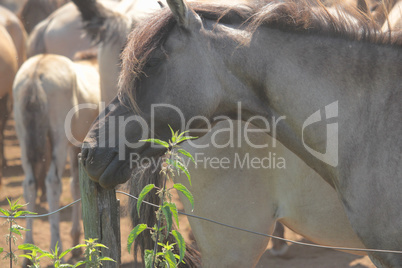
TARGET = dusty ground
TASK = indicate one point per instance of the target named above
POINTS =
(296, 257)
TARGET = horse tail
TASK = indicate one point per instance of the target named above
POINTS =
(94, 16)
(148, 216)
(36, 40)
(102, 24)
(36, 121)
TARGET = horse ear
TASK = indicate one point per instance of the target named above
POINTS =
(183, 15)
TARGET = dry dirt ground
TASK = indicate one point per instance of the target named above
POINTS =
(296, 257)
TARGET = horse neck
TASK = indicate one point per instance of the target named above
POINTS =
(296, 75)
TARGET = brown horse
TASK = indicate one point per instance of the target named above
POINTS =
(8, 69)
(17, 32)
(34, 11)
(285, 62)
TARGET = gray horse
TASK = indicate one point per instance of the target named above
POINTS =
(285, 63)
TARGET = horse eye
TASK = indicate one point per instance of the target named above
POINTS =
(152, 62)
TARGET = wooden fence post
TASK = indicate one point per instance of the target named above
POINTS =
(101, 216)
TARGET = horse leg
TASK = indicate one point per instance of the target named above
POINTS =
(75, 192)
(42, 173)
(54, 188)
(279, 247)
(4, 111)
(29, 186)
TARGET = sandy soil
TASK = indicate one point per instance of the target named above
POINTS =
(296, 257)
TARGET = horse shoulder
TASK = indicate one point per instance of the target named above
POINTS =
(17, 32)
(8, 62)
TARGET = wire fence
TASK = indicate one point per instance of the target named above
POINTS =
(218, 223)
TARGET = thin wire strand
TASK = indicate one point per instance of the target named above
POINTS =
(219, 223)
(272, 236)
(42, 215)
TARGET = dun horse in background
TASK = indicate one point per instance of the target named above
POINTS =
(8, 69)
(61, 33)
(16, 31)
(34, 11)
(46, 91)
(284, 62)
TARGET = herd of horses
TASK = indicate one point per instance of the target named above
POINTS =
(252, 62)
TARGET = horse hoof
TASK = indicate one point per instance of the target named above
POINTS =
(279, 251)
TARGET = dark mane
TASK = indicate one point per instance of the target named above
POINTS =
(339, 21)
(291, 16)
(147, 37)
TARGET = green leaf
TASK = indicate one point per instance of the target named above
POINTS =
(175, 214)
(42, 256)
(65, 265)
(56, 249)
(106, 259)
(80, 263)
(48, 255)
(9, 203)
(16, 231)
(180, 187)
(19, 213)
(180, 243)
(4, 212)
(157, 141)
(17, 206)
(79, 246)
(148, 256)
(184, 138)
(1, 250)
(171, 260)
(174, 135)
(184, 152)
(71, 249)
(168, 216)
(134, 233)
(25, 256)
(98, 245)
(142, 195)
(182, 134)
(28, 246)
(179, 166)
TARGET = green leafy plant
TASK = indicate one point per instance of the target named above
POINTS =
(34, 254)
(167, 211)
(14, 211)
(93, 257)
(92, 254)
